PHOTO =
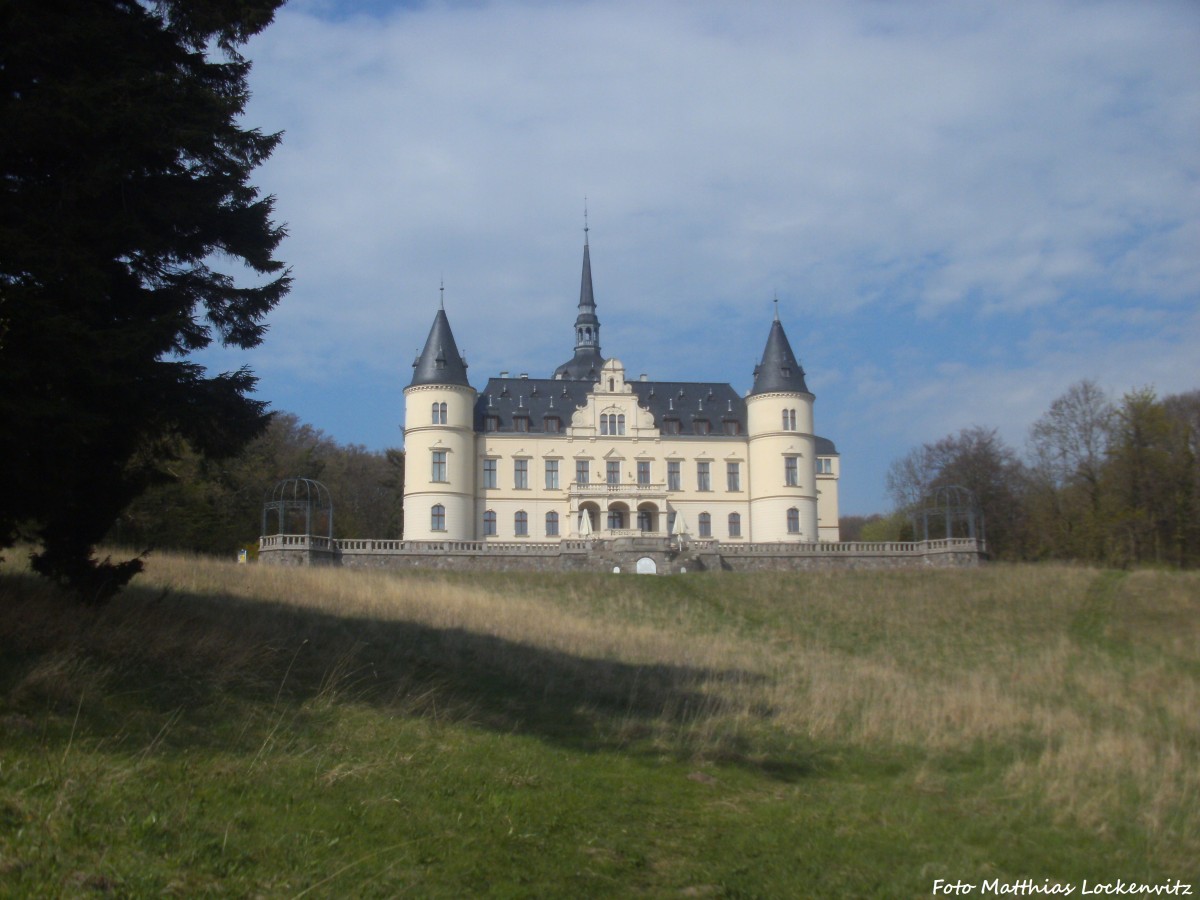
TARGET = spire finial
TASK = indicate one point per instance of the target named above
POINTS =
(776, 307)
(585, 221)
(442, 293)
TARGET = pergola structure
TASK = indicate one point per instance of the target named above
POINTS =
(299, 506)
(953, 512)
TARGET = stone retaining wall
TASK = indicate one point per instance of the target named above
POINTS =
(662, 555)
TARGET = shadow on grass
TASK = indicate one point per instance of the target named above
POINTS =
(191, 652)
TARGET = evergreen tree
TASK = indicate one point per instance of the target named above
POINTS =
(125, 174)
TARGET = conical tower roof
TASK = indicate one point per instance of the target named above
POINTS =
(440, 362)
(779, 371)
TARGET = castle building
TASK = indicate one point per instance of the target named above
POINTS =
(590, 452)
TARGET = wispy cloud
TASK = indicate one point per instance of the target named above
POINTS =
(963, 208)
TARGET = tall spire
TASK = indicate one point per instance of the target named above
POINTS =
(586, 363)
(440, 362)
(779, 371)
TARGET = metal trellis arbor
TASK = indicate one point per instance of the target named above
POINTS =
(954, 508)
(299, 500)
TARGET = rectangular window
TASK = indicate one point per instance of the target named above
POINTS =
(824, 466)
(521, 423)
(552, 424)
(732, 427)
(703, 480)
(491, 423)
(673, 475)
(489, 523)
(521, 474)
(612, 472)
(670, 426)
(439, 466)
(489, 473)
(701, 426)
(552, 474)
(733, 476)
(521, 524)
(791, 471)
(551, 524)
(643, 470)
(581, 471)
(705, 525)
(735, 525)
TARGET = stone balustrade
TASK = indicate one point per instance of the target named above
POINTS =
(620, 550)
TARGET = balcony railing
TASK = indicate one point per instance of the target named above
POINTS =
(604, 489)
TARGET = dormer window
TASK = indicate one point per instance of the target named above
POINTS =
(552, 424)
(520, 423)
(702, 426)
(612, 423)
(491, 423)
(732, 426)
(670, 426)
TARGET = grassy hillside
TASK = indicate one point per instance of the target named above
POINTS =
(247, 731)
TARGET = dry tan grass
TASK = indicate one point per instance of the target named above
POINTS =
(1100, 720)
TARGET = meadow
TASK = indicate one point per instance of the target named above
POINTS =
(224, 730)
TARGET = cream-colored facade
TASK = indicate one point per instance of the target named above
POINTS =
(593, 453)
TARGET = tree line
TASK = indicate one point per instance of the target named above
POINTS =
(215, 506)
(1102, 480)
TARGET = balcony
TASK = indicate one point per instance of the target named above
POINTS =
(599, 490)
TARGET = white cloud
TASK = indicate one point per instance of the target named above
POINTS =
(980, 183)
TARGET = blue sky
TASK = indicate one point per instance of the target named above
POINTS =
(963, 208)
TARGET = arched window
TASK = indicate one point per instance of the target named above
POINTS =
(621, 424)
(735, 525)
(793, 521)
(643, 520)
(521, 523)
(705, 525)
(439, 414)
(604, 423)
(785, 420)
(489, 522)
(616, 519)
(551, 524)
(437, 517)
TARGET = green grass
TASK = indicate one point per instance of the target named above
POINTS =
(226, 731)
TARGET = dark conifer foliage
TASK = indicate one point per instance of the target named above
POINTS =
(124, 178)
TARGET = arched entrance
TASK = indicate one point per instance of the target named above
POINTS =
(587, 522)
(647, 566)
(647, 518)
(618, 516)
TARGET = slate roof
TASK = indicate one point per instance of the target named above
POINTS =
(687, 402)
(779, 370)
(440, 362)
(536, 398)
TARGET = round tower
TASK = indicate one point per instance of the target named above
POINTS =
(439, 442)
(783, 480)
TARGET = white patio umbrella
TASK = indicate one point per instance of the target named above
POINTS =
(679, 529)
(585, 524)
